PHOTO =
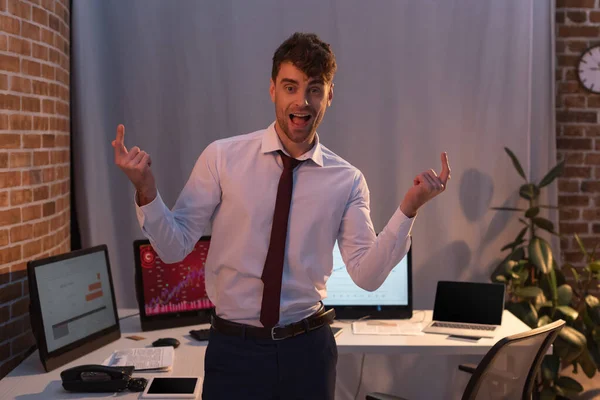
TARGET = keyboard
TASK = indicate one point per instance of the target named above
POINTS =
(463, 326)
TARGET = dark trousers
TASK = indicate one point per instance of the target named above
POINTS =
(298, 368)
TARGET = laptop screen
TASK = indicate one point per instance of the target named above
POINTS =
(469, 302)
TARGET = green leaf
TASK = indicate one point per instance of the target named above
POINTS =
(515, 162)
(547, 394)
(506, 209)
(569, 345)
(544, 320)
(521, 220)
(594, 266)
(573, 337)
(543, 223)
(594, 251)
(565, 294)
(587, 364)
(528, 291)
(559, 392)
(594, 352)
(552, 174)
(532, 212)
(593, 309)
(592, 301)
(521, 234)
(575, 274)
(550, 366)
(581, 246)
(569, 385)
(568, 312)
(540, 254)
(553, 285)
(529, 191)
(504, 269)
(525, 311)
(596, 334)
(517, 254)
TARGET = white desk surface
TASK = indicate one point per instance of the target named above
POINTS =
(29, 380)
(427, 344)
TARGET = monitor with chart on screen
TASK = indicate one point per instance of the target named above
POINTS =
(72, 307)
(171, 295)
(393, 299)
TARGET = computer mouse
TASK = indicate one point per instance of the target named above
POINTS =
(166, 342)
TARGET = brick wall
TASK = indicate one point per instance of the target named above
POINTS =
(34, 156)
(578, 132)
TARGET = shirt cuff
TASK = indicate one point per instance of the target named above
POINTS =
(400, 225)
(149, 212)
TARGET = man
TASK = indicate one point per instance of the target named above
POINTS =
(278, 200)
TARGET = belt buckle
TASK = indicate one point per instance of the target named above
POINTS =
(273, 335)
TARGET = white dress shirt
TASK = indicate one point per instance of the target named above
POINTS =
(234, 185)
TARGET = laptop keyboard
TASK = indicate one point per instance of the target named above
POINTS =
(463, 326)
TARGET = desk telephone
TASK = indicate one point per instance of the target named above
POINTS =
(100, 378)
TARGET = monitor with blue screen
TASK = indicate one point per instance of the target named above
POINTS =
(393, 299)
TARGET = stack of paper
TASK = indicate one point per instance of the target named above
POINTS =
(143, 358)
(387, 328)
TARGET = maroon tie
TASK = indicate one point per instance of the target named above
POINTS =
(273, 271)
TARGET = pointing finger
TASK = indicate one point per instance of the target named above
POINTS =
(445, 174)
(120, 134)
(120, 149)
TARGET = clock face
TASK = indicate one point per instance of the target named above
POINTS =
(589, 69)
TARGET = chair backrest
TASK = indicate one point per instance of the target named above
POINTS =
(509, 368)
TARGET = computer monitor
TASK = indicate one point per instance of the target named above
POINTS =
(171, 295)
(393, 299)
(72, 305)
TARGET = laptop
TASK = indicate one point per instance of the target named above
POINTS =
(467, 309)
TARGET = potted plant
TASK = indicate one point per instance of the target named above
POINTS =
(538, 293)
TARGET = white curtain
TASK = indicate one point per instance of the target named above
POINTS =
(415, 78)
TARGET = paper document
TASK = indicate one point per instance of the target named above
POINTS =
(144, 358)
(387, 328)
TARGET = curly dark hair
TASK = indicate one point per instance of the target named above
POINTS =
(309, 54)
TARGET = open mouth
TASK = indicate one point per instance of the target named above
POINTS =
(300, 120)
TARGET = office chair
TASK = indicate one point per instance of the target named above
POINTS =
(508, 370)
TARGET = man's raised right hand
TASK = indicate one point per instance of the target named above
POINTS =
(136, 165)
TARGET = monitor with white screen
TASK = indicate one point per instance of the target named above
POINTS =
(392, 300)
(72, 307)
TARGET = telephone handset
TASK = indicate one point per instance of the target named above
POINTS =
(101, 378)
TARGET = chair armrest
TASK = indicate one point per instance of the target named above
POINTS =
(382, 396)
(470, 368)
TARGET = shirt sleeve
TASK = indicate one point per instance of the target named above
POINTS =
(174, 233)
(369, 258)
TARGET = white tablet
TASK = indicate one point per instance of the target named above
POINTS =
(173, 387)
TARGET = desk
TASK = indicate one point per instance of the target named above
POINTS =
(29, 381)
(428, 344)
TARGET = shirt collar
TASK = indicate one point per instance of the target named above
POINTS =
(271, 142)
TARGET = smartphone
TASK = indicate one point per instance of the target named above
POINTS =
(174, 387)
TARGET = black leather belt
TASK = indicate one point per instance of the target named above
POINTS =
(306, 325)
